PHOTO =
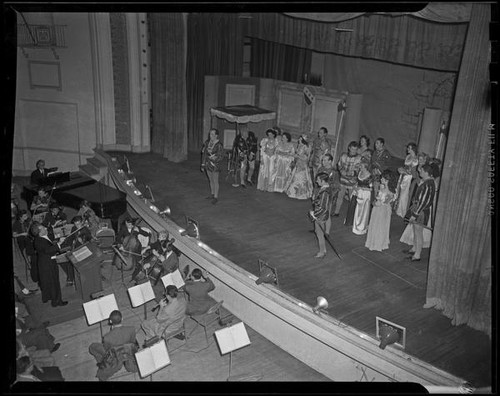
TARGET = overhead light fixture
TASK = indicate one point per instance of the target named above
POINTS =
(321, 303)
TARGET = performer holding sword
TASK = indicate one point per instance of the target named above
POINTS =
(321, 212)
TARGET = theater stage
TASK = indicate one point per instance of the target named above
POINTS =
(247, 225)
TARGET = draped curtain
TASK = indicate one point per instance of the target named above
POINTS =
(168, 89)
(215, 47)
(405, 40)
(280, 62)
(459, 275)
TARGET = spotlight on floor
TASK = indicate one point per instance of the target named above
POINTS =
(192, 229)
(390, 333)
(165, 212)
(267, 274)
(321, 303)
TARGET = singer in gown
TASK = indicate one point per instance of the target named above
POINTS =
(363, 205)
(377, 237)
(283, 158)
(405, 178)
(267, 148)
(299, 185)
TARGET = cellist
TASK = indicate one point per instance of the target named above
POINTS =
(127, 229)
(130, 245)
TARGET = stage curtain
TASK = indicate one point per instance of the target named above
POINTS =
(168, 88)
(459, 275)
(394, 101)
(404, 39)
(215, 47)
(279, 61)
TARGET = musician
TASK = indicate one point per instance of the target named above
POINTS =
(54, 218)
(321, 211)
(169, 317)
(88, 215)
(20, 229)
(128, 228)
(41, 202)
(119, 335)
(79, 234)
(48, 268)
(421, 209)
(212, 154)
(40, 173)
(197, 288)
(16, 198)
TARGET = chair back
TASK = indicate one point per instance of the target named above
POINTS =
(214, 308)
(106, 237)
(174, 328)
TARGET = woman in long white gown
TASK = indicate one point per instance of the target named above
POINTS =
(267, 148)
(299, 184)
(406, 175)
(283, 158)
(363, 192)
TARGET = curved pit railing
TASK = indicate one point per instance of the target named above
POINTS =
(332, 348)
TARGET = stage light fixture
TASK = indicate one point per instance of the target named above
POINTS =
(388, 335)
(137, 192)
(165, 212)
(267, 274)
(129, 182)
(192, 228)
(321, 303)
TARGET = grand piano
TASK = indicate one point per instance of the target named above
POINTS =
(107, 202)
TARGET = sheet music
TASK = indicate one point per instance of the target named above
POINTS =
(141, 294)
(100, 309)
(152, 359)
(82, 253)
(174, 278)
(232, 338)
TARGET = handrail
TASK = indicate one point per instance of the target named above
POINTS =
(331, 347)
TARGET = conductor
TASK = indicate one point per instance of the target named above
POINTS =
(40, 173)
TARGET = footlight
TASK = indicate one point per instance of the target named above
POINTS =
(321, 303)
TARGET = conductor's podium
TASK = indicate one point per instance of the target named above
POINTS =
(87, 263)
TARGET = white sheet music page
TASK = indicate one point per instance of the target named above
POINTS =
(152, 359)
(82, 253)
(232, 338)
(100, 309)
(174, 278)
(141, 294)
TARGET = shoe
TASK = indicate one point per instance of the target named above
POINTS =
(336, 214)
(56, 347)
(243, 186)
(180, 336)
(320, 255)
(214, 201)
(45, 301)
(30, 292)
(210, 197)
(408, 251)
(59, 304)
(415, 259)
(250, 182)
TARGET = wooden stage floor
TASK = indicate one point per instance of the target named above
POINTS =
(248, 224)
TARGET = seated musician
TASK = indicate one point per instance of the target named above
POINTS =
(118, 336)
(16, 197)
(197, 289)
(170, 316)
(167, 261)
(128, 228)
(20, 229)
(41, 202)
(88, 215)
(54, 218)
(40, 173)
(79, 234)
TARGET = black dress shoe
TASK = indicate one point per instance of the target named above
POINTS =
(45, 301)
(210, 197)
(59, 303)
(407, 251)
(336, 214)
(56, 347)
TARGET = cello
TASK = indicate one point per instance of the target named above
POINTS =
(126, 258)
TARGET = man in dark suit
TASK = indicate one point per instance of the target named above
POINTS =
(40, 173)
(197, 289)
(48, 268)
(119, 336)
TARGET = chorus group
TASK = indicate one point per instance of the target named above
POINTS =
(372, 182)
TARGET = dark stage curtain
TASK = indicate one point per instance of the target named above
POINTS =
(459, 276)
(168, 88)
(279, 61)
(405, 40)
(215, 47)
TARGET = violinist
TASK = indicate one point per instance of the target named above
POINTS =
(79, 235)
(40, 203)
(54, 218)
(20, 229)
(88, 215)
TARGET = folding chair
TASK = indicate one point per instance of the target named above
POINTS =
(204, 320)
(175, 329)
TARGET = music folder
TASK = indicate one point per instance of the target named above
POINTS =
(174, 278)
(152, 359)
(232, 338)
(99, 309)
(141, 294)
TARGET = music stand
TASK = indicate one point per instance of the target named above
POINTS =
(99, 308)
(230, 339)
(262, 265)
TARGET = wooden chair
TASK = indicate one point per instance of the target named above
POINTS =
(204, 320)
(174, 330)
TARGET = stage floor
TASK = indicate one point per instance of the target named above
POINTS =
(248, 224)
